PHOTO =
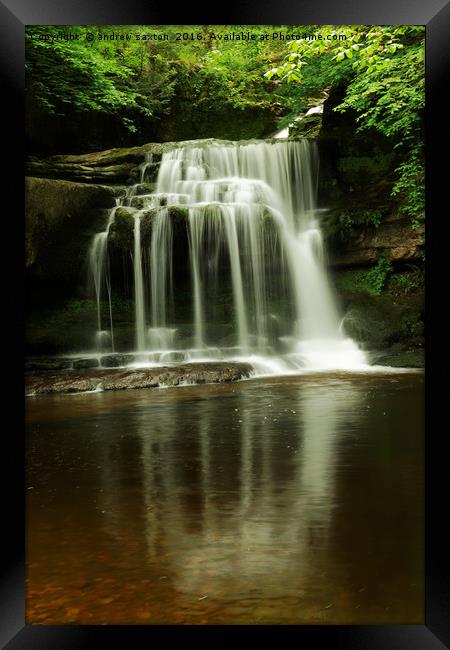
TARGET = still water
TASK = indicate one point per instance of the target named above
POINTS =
(287, 500)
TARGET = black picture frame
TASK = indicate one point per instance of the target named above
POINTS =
(14, 15)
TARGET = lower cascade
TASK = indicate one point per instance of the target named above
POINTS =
(227, 261)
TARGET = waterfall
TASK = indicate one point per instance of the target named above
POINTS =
(161, 267)
(138, 286)
(253, 234)
(97, 263)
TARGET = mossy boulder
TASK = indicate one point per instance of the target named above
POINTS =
(151, 173)
(178, 217)
(145, 188)
(308, 126)
(121, 231)
(381, 322)
(147, 225)
(139, 202)
(116, 360)
(61, 219)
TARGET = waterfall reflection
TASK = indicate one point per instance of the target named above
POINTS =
(239, 495)
(295, 500)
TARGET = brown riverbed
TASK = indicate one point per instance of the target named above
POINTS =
(288, 500)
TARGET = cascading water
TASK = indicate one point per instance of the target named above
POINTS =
(100, 275)
(251, 227)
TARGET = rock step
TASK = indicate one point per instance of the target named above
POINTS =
(103, 379)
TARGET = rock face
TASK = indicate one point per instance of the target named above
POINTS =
(399, 359)
(394, 238)
(118, 165)
(50, 363)
(61, 219)
(362, 220)
(47, 382)
(308, 127)
(390, 329)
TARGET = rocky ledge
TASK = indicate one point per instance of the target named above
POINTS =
(398, 357)
(90, 379)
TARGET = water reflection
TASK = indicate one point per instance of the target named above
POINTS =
(276, 501)
(247, 492)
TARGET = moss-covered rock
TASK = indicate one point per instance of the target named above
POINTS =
(405, 359)
(363, 221)
(120, 165)
(308, 126)
(91, 362)
(381, 322)
(61, 219)
(70, 326)
(139, 202)
(177, 215)
(145, 188)
(116, 360)
(121, 231)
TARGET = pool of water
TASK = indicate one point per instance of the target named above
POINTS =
(283, 500)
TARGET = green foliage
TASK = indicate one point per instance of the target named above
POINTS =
(378, 275)
(408, 282)
(371, 281)
(371, 217)
(410, 186)
(349, 220)
(77, 74)
(133, 77)
(346, 224)
(386, 90)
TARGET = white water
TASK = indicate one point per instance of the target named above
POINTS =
(253, 231)
(99, 275)
(138, 286)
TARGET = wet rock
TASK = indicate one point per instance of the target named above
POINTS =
(383, 322)
(121, 232)
(61, 219)
(116, 360)
(173, 357)
(145, 188)
(394, 239)
(109, 166)
(405, 359)
(85, 363)
(140, 202)
(47, 364)
(38, 383)
(308, 126)
(178, 218)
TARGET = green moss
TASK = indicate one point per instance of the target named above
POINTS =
(121, 232)
(146, 188)
(177, 215)
(61, 219)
